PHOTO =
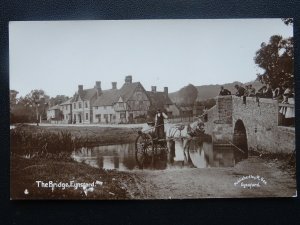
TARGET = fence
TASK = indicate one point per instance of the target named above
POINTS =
(181, 119)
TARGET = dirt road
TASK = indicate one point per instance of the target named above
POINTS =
(217, 182)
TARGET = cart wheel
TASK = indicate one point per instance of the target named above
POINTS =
(143, 149)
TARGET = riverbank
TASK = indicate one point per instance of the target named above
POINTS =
(92, 135)
(108, 184)
(226, 182)
(276, 174)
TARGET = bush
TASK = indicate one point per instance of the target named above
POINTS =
(44, 144)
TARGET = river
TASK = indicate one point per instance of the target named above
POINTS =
(187, 154)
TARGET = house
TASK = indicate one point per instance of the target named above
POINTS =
(128, 104)
(66, 109)
(133, 103)
(186, 111)
(82, 102)
(161, 100)
(54, 113)
(103, 107)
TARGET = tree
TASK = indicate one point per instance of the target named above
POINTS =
(58, 100)
(288, 21)
(13, 98)
(37, 101)
(187, 95)
(277, 60)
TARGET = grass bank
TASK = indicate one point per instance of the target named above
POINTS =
(90, 135)
(25, 173)
(49, 160)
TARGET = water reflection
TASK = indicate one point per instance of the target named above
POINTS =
(179, 154)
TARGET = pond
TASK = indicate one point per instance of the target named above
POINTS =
(187, 154)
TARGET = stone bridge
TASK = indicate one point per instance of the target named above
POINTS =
(249, 124)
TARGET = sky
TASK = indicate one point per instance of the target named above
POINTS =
(57, 56)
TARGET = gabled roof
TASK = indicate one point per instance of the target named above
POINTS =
(86, 94)
(108, 97)
(68, 102)
(54, 107)
(159, 98)
(128, 89)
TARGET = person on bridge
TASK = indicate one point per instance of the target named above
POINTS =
(160, 124)
(224, 92)
(251, 91)
(267, 92)
(240, 90)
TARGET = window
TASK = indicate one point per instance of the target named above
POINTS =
(120, 104)
(74, 105)
(86, 104)
(86, 116)
(99, 117)
(79, 106)
(141, 105)
(104, 107)
(66, 107)
(96, 107)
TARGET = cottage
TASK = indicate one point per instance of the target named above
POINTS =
(82, 103)
(66, 108)
(186, 111)
(54, 113)
(128, 104)
(161, 100)
(134, 103)
(103, 107)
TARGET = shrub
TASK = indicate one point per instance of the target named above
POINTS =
(44, 144)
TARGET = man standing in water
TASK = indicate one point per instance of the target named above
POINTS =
(160, 124)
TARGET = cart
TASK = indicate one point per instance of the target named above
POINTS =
(148, 146)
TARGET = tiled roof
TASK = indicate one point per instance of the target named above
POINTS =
(86, 94)
(108, 97)
(111, 96)
(68, 102)
(127, 90)
(159, 98)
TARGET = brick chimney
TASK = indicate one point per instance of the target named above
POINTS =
(80, 89)
(114, 85)
(153, 89)
(128, 79)
(98, 87)
(166, 90)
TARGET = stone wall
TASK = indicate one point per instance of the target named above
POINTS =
(259, 118)
(219, 117)
(261, 122)
(286, 139)
(224, 105)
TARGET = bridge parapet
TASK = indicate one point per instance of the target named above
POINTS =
(261, 120)
(224, 106)
(258, 116)
(219, 120)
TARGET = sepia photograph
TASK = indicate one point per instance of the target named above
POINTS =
(152, 109)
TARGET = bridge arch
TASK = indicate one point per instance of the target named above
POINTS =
(240, 139)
